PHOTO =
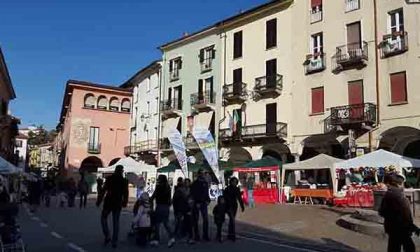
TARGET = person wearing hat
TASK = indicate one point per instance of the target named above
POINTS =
(398, 221)
(115, 197)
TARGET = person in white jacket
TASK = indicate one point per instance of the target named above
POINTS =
(142, 221)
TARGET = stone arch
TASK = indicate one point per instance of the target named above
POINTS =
(239, 155)
(322, 144)
(280, 152)
(102, 102)
(114, 161)
(126, 105)
(114, 104)
(402, 140)
(89, 101)
(91, 164)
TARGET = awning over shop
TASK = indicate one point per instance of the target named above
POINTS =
(322, 161)
(264, 164)
(7, 168)
(174, 165)
(130, 166)
(379, 158)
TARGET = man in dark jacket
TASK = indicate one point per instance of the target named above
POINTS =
(232, 196)
(398, 221)
(201, 198)
(115, 192)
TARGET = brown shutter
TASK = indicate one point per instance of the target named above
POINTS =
(237, 45)
(355, 92)
(201, 55)
(398, 88)
(353, 34)
(315, 3)
(271, 33)
(317, 100)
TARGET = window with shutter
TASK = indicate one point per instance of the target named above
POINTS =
(237, 45)
(316, 3)
(398, 88)
(317, 100)
(271, 33)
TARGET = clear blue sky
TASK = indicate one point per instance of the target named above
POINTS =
(47, 42)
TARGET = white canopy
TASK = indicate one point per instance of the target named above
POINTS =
(322, 161)
(7, 168)
(379, 158)
(130, 166)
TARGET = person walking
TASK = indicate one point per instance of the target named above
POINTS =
(232, 196)
(142, 222)
(71, 192)
(250, 187)
(99, 185)
(162, 197)
(219, 214)
(398, 221)
(83, 188)
(201, 198)
(35, 193)
(115, 197)
(180, 204)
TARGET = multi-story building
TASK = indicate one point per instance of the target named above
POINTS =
(21, 150)
(8, 123)
(191, 78)
(144, 121)
(94, 125)
(357, 91)
(257, 83)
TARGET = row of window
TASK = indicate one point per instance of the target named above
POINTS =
(398, 91)
(102, 103)
(316, 8)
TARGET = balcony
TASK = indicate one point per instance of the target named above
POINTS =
(174, 75)
(352, 116)
(316, 14)
(94, 148)
(189, 141)
(394, 44)
(141, 147)
(314, 63)
(171, 108)
(268, 86)
(235, 93)
(165, 145)
(352, 5)
(350, 56)
(206, 65)
(254, 134)
(203, 101)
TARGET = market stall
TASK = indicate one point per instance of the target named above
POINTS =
(323, 191)
(266, 174)
(7, 168)
(363, 176)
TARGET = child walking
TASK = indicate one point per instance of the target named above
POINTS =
(142, 221)
(219, 213)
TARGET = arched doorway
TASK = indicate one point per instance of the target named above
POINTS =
(278, 151)
(91, 164)
(238, 155)
(114, 161)
(326, 144)
(402, 140)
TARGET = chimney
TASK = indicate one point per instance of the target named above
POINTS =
(185, 34)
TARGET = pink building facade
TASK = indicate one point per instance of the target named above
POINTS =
(94, 126)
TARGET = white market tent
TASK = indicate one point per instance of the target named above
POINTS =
(379, 158)
(322, 161)
(130, 166)
(7, 168)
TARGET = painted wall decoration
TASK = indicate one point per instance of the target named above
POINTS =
(80, 132)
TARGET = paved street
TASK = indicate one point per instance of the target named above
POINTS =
(79, 230)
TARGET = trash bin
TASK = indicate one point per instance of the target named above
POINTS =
(378, 196)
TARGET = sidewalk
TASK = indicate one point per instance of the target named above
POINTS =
(312, 223)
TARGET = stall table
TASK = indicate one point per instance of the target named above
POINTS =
(264, 195)
(308, 194)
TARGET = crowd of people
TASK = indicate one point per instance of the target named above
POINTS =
(190, 202)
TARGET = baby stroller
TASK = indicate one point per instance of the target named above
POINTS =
(11, 239)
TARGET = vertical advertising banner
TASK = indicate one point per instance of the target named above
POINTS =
(175, 138)
(205, 141)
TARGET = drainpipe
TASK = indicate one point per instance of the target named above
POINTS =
(375, 17)
(159, 110)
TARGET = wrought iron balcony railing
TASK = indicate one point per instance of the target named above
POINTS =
(315, 63)
(272, 84)
(143, 146)
(353, 114)
(203, 99)
(254, 131)
(394, 44)
(316, 14)
(234, 93)
(352, 5)
(171, 105)
(350, 55)
(94, 148)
